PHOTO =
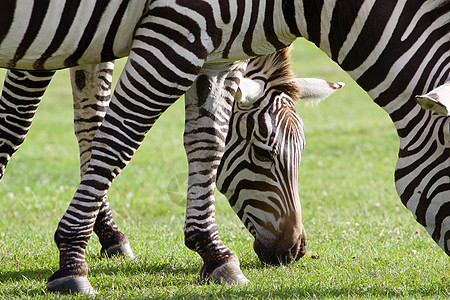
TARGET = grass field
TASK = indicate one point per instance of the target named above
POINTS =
(362, 243)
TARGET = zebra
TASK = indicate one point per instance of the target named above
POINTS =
(393, 50)
(91, 87)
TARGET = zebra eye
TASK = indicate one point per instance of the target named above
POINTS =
(263, 154)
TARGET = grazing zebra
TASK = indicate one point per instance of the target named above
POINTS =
(91, 84)
(393, 49)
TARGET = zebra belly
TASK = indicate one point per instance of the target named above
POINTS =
(66, 33)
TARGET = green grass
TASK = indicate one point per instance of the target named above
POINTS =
(362, 243)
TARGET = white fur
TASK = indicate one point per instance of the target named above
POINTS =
(248, 92)
(312, 90)
(437, 100)
(315, 90)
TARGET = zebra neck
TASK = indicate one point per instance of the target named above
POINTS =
(393, 49)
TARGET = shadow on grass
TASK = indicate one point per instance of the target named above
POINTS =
(315, 293)
(29, 278)
(126, 268)
(32, 281)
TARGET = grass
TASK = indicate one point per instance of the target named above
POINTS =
(362, 243)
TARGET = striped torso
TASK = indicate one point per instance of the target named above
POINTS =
(55, 34)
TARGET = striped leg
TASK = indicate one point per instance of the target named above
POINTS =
(208, 109)
(145, 90)
(20, 98)
(91, 89)
(21, 95)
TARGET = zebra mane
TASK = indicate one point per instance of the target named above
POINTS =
(275, 71)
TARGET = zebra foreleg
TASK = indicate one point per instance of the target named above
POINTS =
(21, 95)
(208, 108)
(91, 89)
(145, 90)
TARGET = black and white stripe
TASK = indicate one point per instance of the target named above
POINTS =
(156, 74)
(51, 34)
(21, 96)
(394, 50)
(259, 169)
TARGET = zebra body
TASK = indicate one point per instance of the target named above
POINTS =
(54, 34)
(393, 49)
(404, 53)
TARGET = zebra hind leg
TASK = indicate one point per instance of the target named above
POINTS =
(91, 89)
(208, 107)
(21, 95)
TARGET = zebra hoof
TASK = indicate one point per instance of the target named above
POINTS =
(228, 274)
(119, 250)
(71, 285)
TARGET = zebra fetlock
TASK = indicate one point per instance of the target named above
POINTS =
(113, 241)
(225, 271)
(71, 277)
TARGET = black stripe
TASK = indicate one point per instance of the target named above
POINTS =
(108, 46)
(289, 13)
(205, 10)
(196, 47)
(225, 11)
(415, 182)
(247, 44)
(441, 215)
(65, 23)
(344, 14)
(369, 37)
(426, 123)
(37, 18)
(88, 34)
(379, 70)
(268, 25)
(426, 197)
(7, 9)
(181, 62)
(237, 25)
(312, 11)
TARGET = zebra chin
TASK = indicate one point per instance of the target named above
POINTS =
(285, 246)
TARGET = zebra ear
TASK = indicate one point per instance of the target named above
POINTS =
(248, 92)
(315, 90)
(438, 100)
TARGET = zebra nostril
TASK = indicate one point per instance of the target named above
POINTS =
(296, 252)
(302, 249)
(277, 253)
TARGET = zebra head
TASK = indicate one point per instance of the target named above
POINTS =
(259, 170)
